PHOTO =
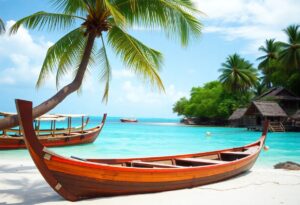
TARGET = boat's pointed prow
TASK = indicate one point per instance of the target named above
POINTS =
(265, 131)
(25, 117)
(37, 151)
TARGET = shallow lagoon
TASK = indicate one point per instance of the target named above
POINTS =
(152, 137)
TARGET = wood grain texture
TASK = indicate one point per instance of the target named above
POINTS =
(76, 179)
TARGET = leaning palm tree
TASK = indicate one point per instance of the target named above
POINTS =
(2, 26)
(238, 75)
(108, 21)
(290, 54)
(269, 61)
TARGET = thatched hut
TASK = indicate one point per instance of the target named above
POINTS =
(236, 118)
(287, 100)
(263, 110)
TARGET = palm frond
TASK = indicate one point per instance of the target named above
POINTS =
(70, 6)
(137, 56)
(2, 26)
(292, 33)
(176, 18)
(116, 14)
(105, 71)
(63, 53)
(43, 19)
(72, 55)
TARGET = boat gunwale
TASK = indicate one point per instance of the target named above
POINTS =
(99, 165)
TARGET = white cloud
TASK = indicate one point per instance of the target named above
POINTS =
(136, 93)
(253, 20)
(22, 57)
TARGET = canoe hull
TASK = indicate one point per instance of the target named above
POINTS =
(87, 187)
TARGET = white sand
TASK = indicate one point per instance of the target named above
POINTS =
(21, 183)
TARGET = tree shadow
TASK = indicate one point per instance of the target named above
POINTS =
(27, 191)
(16, 168)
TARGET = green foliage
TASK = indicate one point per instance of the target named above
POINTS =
(137, 56)
(176, 18)
(289, 55)
(108, 20)
(238, 75)
(180, 106)
(63, 55)
(280, 64)
(211, 101)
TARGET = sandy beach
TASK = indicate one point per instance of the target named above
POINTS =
(21, 183)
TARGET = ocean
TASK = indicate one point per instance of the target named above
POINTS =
(159, 136)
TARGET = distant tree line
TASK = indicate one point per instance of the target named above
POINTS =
(239, 81)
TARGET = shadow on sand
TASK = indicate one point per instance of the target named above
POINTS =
(26, 190)
(23, 188)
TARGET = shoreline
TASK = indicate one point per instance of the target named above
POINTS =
(21, 183)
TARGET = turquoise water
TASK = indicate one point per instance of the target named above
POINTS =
(153, 137)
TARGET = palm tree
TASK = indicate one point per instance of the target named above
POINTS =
(238, 75)
(271, 50)
(290, 54)
(108, 21)
(2, 26)
(269, 61)
(260, 88)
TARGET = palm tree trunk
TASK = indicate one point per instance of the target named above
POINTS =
(52, 102)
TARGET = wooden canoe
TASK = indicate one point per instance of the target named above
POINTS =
(76, 179)
(55, 138)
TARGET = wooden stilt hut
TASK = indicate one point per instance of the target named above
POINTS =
(259, 111)
(236, 119)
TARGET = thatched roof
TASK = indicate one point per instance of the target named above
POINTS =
(278, 93)
(237, 114)
(296, 116)
(268, 109)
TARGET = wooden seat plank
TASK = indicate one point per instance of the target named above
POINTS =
(201, 160)
(153, 164)
(236, 153)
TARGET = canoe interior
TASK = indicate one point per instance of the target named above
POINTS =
(179, 161)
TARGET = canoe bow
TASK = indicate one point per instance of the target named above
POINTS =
(37, 150)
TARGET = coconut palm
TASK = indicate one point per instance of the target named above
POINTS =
(108, 21)
(269, 61)
(290, 54)
(238, 75)
(271, 50)
(2, 26)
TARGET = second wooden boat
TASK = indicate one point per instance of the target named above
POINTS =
(76, 178)
(53, 137)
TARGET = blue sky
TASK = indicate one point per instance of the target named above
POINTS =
(230, 26)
